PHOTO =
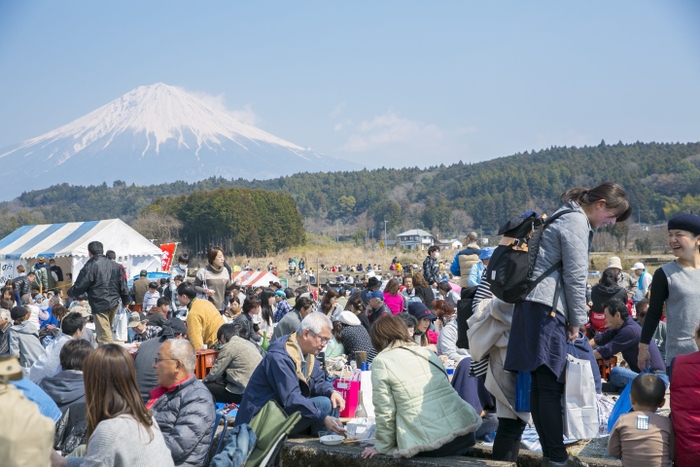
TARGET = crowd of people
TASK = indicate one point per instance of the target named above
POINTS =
(102, 397)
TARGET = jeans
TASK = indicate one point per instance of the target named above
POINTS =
(546, 409)
(621, 377)
(323, 404)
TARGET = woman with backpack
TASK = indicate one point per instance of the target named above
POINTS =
(555, 308)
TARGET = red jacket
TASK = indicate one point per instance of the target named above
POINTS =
(685, 409)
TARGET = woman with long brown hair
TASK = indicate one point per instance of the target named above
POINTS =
(121, 432)
(423, 290)
(329, 304)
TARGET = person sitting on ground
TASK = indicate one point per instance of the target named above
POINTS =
(417, 410)
(685, 406)
(447, 343)
(290, 323)
(291, 375)
(329, 304)
(283, 305)
(121, 432)
(203, 319)
(642, 437)
(377, 308)
(373, 283)
(157, 315)
(80, 305)
(234, 366)
(34, 311)
(251, 308)
(151, 297)
(146, 379)
(27, 435)
(605, 290)
(66, 387)
(422, 289)
(623, 336)
(447, 294)
(181, 405)
(23, 338)
(424, 318)
(354, 305)
(353, 336)
(392, 298)
(49, 363)
(142, 330)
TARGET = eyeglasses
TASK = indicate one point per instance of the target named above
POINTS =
(324, 340)
(158, 360)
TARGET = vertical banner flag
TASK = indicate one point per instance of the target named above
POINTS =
(167, 258)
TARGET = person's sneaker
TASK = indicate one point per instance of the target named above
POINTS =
(572, 461)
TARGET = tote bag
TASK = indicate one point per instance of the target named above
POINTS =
(580, 406)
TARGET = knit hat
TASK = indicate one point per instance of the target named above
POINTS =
(18, 312)
(688, 222)
(280, 293)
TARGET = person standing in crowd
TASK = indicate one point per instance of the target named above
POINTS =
(417, 410)
(431, 269)
(643, 282)
(121, 432)
(465, 259)
(214, 280)
(203, 319)
(140, 288)
(675, 284)
(181, 405)
(104, 283)
(23, 282)
(234, 366)
(553, 311)
(291, 375)
(41, 281)
(56, 270)
(150, 298)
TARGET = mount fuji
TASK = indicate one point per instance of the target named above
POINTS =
(154, 134)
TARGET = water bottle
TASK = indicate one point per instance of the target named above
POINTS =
(450, 368)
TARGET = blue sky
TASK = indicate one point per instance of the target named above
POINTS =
(380, 83)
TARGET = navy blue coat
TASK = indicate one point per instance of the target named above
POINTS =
(278, 377)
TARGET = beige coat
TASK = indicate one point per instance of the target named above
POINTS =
(235, 364)
(415, 406)
(26, 437)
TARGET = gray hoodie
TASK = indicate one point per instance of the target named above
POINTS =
(65, 388)
(23, 340)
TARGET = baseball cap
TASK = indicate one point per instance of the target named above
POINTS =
(134, 319)
(143, 272)
(419, 311)
(638, 266)
(486, 253)
(378, 294)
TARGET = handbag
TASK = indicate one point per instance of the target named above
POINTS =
(349, 390)
(580, 405)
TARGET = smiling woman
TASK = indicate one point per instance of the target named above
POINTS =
(675, 285)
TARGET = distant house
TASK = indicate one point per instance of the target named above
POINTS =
(452, 244)
(416, 239)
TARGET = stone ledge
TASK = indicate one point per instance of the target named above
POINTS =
(309, 452)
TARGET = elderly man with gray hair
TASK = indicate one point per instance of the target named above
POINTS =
(182, 405)
(290, 375)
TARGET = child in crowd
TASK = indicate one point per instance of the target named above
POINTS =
(642, 437)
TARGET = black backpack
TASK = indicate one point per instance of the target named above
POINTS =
(511, 267)
(464, 312)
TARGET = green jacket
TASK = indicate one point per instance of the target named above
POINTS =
(415, 406)
(236, 362)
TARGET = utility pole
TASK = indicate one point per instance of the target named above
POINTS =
(385, 235)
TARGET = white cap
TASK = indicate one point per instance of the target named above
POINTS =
(349, 318)
(638, 266)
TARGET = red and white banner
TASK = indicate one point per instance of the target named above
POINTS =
(168, 250)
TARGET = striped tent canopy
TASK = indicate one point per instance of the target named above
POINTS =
(255, 278)
(71, 239)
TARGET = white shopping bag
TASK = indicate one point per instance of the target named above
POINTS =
(119, 327)
(366, 388)
(580, 407)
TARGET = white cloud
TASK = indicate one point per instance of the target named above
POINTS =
(245, 115)
(337, 110)
(391, 129)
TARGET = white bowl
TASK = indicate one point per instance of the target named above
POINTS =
(331, 440)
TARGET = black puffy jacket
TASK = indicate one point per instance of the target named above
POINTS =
(22, 285)
(186, 416)
(104, 283)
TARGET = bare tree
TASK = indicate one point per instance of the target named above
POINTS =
(158, 226)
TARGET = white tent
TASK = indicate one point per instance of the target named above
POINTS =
(255, 278)
(67, 245)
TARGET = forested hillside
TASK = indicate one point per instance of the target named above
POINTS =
(661, 179)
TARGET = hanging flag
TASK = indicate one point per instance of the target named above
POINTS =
(168, 254)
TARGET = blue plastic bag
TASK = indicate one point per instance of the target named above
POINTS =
(523, 381)
(622, 406)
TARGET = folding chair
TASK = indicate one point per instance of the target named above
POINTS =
(271, 425)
